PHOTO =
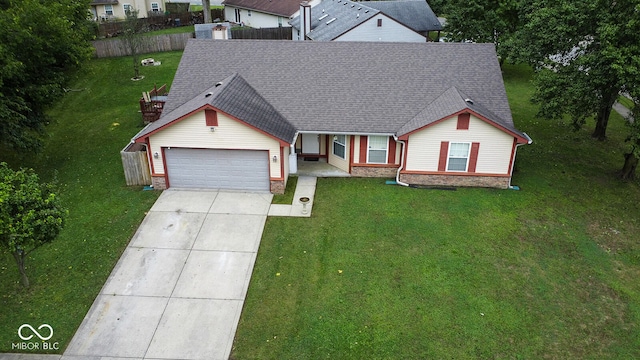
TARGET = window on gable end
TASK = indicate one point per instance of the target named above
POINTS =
(211, 117)
(379, 22)
(463, 121)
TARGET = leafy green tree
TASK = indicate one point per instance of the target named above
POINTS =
(30, 214)
(40, 42)
(579, 48)
(482, 21)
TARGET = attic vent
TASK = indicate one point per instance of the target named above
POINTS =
(322, 17)
(208, 94)
(353, 5)
(366, 11)
(359, 8)
(330, 21)
(218, 83)
(469, 101)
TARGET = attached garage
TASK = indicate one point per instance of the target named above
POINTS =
(218, 169)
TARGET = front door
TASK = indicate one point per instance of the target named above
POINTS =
(310, 144)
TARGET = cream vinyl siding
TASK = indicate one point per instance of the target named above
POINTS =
(256, 20)
(493, 156)
(192, 132)
(390, 30)
(342, 164)
(356, 149)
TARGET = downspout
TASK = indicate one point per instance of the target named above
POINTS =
(513, 164)
(402, 156)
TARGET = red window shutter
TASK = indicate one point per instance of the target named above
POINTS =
(444, 153)
(363, 150)
(392, 151)
(463, 121)
(473, 157)
(211, 117)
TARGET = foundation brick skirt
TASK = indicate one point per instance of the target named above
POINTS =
(373, 171)
(158, 182)
(452, 180)
(277, 186)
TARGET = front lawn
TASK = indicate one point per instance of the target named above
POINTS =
(386, 272)
(91, 124)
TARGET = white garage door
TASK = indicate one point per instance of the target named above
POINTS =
(218, 169)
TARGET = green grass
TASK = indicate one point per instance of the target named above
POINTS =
(287, 197)
(379, 271)
(195, 8)
(385, 272)
(91, 124)
(625, 101)
(172, 30)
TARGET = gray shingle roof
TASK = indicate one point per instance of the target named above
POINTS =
(332, 18)
(416, 14)
(451, 102)
(236, 97)
(357, 87)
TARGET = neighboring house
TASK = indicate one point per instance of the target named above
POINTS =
(261, 13)
(425, 113)
(116, 9)
(344, 20)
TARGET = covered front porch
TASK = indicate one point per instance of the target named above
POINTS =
(318, 168)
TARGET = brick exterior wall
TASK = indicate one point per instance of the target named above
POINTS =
(373, 171)
(158, 182)
(453, 180)
(277, 186)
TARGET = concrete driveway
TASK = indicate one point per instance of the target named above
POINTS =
(178, 289)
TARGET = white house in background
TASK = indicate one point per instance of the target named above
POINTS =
(261, 13)
(116, 9)
(344, 20)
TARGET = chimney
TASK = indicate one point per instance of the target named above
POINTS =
(305, 20)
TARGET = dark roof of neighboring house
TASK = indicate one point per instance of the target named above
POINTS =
(276, 7)
(416, 14)
(344, 87)
(103, 2)
(332, 18)
(234, 96)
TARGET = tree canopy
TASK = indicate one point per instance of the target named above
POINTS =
(30, 214)
(40, 42)
(482, 21)
(581, 49)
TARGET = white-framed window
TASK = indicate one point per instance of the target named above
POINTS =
(155, 7)
(340, 146)
(280, 21)
(458, 158)
(127, 8)
(108, 9)
(248, 12)
(378, 148)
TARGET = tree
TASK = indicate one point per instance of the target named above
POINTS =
(578, 48)
(40, 43)
(133, 38)
(483, 21)
(206, 11)
(30, 214)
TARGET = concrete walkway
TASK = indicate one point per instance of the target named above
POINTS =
(306, 187)
(178, 290)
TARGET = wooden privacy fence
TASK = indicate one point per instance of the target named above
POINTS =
(159, 43)
(278, 33)
(135, 165)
